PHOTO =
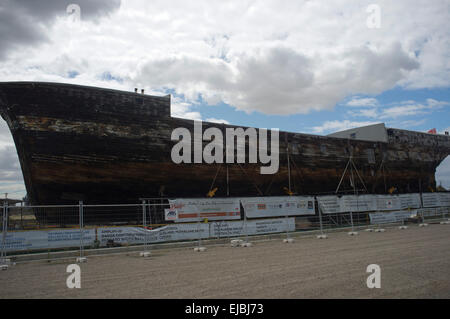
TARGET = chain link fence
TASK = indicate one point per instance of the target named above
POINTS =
(37, 229)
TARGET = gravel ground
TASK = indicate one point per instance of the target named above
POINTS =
(415, 263)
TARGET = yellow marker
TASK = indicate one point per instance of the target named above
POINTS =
(211, 193)
(288, 191)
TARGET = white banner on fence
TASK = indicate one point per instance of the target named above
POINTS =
(329, 204)
(444, 199)
(391, 217)
(176, 232)
(388, 202)
(409, 201)
(50, 239)
(257, 207)
(357, 203)
(195, 209)
(47, 239)
(366, 203)
(431, 199)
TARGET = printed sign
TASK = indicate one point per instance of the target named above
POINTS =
(197, 209)
(47, 239)
(391, 217)
(357, 203)
(444, 199)
(409, 201)
(431, 199)
(183, 231)
(171, 214)
(388, 202)
(329, 204)
(257, 207)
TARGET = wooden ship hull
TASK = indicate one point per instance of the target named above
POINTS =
(106, 146)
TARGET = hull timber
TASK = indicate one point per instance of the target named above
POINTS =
(107, 146)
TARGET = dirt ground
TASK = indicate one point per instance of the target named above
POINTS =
(415, 263)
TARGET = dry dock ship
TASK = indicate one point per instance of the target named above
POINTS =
(108, 146)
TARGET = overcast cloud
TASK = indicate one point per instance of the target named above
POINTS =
(275, 57)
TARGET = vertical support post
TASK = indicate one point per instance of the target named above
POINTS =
(246, 243)
(144, 223)
(423, 224)
(245, 228)
(320, 220)
(80, 211)
(322, 235)
(352, 233)
(287, 228)
(81, 259)
(351, 220)
(4, 233)
(145, 253)
(21, 215)
(288, 239)
(199, 246)
(198, 232)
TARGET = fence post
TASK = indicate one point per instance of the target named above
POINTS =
(3, 261)
(353, 232)
(246, 243)
(81, 259)
(322, 235)
(199, 247)
(423, 224)
(288, 239)
(145, 253)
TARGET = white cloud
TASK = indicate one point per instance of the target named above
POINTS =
(279, 80)
(371, 113)
(183, 110)
(411, 109)
(307, 56)
(363, 102)
(5, 135)
(397, 109)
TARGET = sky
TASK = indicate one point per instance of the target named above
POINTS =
(301, 66)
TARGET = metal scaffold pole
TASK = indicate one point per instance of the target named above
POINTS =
(199, 246)
(81, 259)
(145, 253)
(3, 260)
(322, 235)
(288, 240)
(352, 233)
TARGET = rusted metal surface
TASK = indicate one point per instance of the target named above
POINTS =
(107, 146)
